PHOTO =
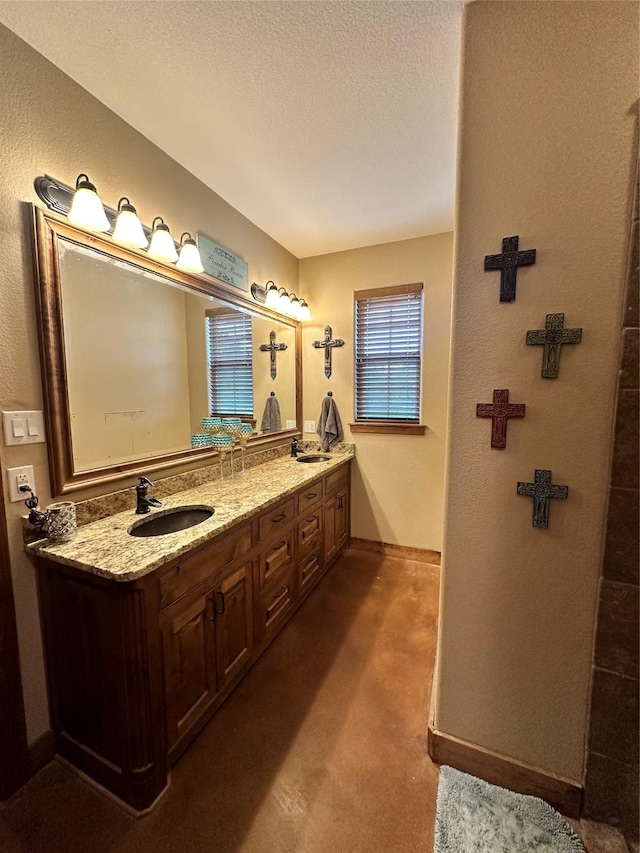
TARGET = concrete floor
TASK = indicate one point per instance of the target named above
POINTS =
(321, 749)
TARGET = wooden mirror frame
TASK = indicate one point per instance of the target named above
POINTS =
(48, 228)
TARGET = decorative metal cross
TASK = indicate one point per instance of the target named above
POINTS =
(508, 263)
(328, 345)
(500, 411)
(272, 347)
(553, 336)
(542, 491)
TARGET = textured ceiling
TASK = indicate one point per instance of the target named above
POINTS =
(330, 125)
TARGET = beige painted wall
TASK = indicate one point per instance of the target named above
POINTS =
(50, 124)
(546, 146)
(397, 485)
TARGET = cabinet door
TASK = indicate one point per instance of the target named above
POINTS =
(190, 665)
(234, 623)
(336, 523)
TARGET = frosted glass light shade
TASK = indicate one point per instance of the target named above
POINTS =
(272, 299)
(294, 307)
(189, 260)
(162, 247)
(87, 210)
(284, 305)
(305, 311)
(128, 230)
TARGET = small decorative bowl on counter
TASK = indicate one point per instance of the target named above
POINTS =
(211, 425)
(200, 440)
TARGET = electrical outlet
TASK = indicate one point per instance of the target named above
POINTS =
(20, 477)
(310, 426)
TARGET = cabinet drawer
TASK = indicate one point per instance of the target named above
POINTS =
(309, 532)
(274, 602)
(310, 569)
(310, 495)
(275, 559)
(337, 480)
(276, 519)
(175, 582)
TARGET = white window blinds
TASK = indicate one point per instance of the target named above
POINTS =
(230, 363)
(388, 346)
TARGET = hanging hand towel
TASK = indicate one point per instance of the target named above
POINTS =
(329, 425)
(271, 417)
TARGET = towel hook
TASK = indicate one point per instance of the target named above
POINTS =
(329, 393)
(272, 394)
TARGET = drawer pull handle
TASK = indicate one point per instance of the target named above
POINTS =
(283, 591)
(211, 608)
(339, 499)
(223, 607)
(311, 495)
(279, 517)
(282, 545)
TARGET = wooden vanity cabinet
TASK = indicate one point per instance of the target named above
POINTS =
(135, 669)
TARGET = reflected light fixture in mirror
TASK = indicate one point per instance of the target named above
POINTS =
(87, 210)
(162, 247)
(128, 230)
(277, 299)
(189, 260)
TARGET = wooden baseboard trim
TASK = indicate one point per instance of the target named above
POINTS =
(41, 752)
(562, 794)
(420, 555)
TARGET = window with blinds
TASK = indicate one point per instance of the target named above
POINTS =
(230, 363)
(388, 346)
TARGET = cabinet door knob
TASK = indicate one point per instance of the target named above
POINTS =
(339, 502)
(283, 591)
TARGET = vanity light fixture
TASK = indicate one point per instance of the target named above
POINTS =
(189, 260)
(128, 230)
(162, 247)
(277, 298)
(87, 210)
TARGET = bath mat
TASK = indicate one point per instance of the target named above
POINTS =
(473, 816)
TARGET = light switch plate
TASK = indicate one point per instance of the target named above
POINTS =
(290, 425)
(309, 426)
(20, 477)
(23, 427)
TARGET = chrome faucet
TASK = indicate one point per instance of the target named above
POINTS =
(143, 501)
(295, 447)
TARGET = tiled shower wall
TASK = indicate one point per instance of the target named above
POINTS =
(611, 785)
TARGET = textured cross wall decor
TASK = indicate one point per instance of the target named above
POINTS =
(328, 345)
(500, 411)
(542, 490)
(508, 263)
(553, 336)
(272, 347)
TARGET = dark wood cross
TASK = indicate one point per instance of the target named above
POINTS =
(542, 491)
(553, 336)
(508, 263)
(272, 347)
(328, 345)
(500, 411)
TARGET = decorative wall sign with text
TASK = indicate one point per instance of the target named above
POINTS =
(553, 336)
(500, 411)
(223, 264)
(508, 263)
(272, 347)
(328, 345)
(542, 490)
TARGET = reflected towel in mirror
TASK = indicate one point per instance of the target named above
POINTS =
(271, 421)
(329, 424)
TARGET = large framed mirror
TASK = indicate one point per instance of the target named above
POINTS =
(136, 353)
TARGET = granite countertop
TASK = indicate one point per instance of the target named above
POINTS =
(105, 547)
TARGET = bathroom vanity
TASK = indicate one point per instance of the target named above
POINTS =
(146, 637)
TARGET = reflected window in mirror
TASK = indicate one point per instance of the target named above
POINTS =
(230, 363)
